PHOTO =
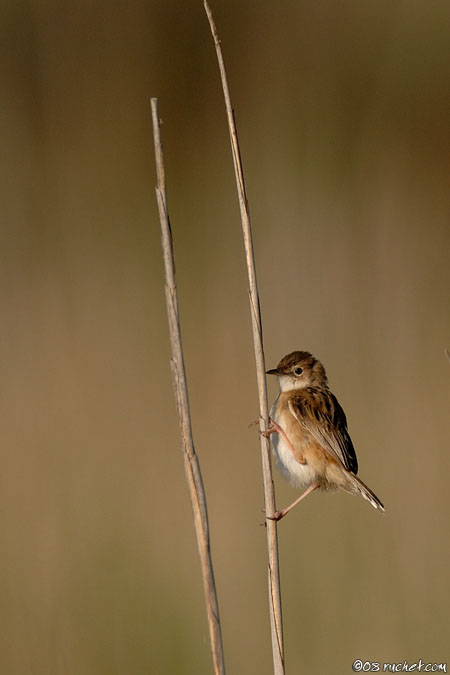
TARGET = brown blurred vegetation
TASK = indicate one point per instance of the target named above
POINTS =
(342, 111)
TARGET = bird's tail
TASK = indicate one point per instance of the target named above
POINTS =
(366, 492)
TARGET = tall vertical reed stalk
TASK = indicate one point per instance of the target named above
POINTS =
(192, 466)
(269, 495)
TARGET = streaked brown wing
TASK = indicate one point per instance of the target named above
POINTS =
(319, 412)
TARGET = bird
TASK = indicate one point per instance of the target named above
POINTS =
(309, 434)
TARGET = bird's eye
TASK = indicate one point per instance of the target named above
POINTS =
(298, 370)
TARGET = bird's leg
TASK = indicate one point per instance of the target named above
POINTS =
(275, 428)
(278, 515)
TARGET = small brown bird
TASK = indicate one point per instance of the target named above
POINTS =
(310, 439)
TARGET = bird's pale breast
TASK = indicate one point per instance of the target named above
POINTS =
(297, 473)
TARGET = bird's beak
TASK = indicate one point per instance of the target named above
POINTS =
(274, 371)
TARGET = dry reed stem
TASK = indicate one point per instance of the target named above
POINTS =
(192, 466)
(269, 495)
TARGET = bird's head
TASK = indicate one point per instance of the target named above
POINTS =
(298, 370)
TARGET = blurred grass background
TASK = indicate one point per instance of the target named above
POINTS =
(343, 115)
